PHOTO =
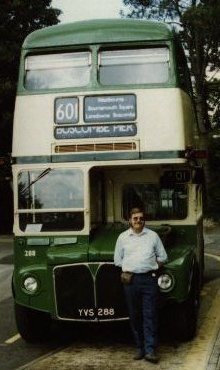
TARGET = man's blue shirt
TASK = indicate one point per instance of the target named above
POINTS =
(139, 253)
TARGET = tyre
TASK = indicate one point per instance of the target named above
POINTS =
(186, 314)
(33, 326)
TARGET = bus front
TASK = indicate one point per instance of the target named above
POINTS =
(103, 121)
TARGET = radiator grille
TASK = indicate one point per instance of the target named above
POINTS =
(81, 295)
(109, 290)
(74, 290)
(98, 147)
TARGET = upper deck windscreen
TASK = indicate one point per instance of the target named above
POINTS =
(134, 66)
(57, 70)
(148, 65)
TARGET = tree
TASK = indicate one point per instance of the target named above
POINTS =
(17, 19)
(197, 22)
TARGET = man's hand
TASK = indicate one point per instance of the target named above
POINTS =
(160, 264)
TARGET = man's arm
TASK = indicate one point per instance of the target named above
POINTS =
(161, 255)
(118, 255)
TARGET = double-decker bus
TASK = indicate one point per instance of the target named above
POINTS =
(104, 121)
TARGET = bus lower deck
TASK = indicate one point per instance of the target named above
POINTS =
(69, 221)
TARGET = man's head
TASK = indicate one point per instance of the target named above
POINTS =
(137, 219)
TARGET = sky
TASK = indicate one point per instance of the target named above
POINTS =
(77, 10)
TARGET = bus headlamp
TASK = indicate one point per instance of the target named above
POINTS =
(30, 284)
(166, 282)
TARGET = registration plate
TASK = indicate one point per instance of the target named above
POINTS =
(96, 312)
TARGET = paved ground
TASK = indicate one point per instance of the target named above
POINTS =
(212, 247)
(6, 265)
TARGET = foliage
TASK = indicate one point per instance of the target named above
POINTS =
(17, 19)
(197, 22)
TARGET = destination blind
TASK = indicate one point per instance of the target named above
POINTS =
(110, 108)
(108, 115)
(92, 131)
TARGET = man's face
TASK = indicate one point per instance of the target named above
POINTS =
(137, 222)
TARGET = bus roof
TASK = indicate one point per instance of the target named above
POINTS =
(98, 31)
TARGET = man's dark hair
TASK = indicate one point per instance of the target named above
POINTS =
(136, 210)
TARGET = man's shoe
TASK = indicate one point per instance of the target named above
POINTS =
(139, 355)
(151, 357)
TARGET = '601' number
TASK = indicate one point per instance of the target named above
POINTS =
(66, 110)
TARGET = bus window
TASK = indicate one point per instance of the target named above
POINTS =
(51, 200)
(134, 66)
(51, 71)
(159, 204)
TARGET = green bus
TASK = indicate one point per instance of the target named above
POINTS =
(104, 120)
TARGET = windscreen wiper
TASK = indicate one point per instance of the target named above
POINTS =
(42, 174)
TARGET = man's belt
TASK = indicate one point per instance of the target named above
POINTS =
(152, 273)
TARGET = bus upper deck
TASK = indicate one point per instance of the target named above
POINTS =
(103, 90)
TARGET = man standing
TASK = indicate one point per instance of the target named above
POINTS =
(140, 253)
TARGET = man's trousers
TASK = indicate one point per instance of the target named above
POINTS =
(142, 302)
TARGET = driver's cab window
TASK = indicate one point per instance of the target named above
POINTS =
(158, 203)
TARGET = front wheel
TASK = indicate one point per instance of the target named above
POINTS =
(186, 314)
(33, 325)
